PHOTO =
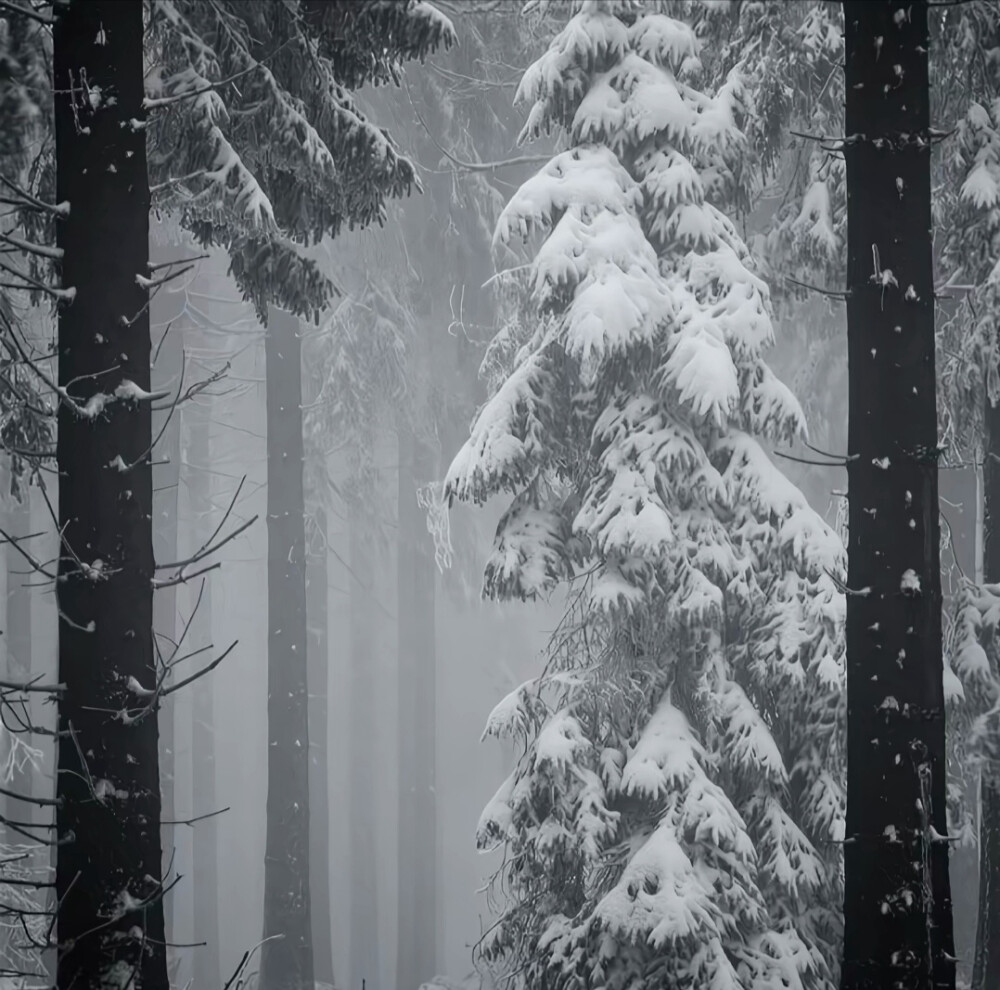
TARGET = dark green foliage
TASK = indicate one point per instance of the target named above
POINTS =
(25, 168)
(257, 140)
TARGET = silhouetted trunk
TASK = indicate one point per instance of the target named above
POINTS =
(319, 793)
(898, 924)
(286, 963)
(416, 960)
(108, 782)
(363, 888)
(166, 475)
(986, 967)
(207, 970)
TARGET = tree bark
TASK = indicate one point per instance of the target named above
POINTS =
(417, 939)
(898, 923)
(986, 965)
(207, 968)
(363, 882)
(108, 819)
(286, 963)
(319, 794)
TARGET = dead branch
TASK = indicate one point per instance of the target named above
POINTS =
(201, 673)
(28, 799)
(181, 261)
(832, 293)
(58, 210)
(54, 254)
(197, 818)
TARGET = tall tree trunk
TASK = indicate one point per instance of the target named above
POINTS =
(319, 794)
(986, 966)
(898, 924)
(17, 634)
(416, 960)
(286, 963)
(207, 969)
(363, 886)
(166, 456)
(108, 780)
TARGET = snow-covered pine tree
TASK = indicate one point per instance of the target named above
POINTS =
(257, 141)
(967, 218)
(673, 818)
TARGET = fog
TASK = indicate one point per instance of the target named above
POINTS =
(392, 375)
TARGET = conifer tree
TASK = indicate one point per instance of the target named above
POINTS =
(672, 820)
(965, 216)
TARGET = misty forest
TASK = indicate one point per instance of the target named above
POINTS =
(499, 494)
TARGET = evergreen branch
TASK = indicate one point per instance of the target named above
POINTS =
(157, 103)
(171, 182)
(16, 8)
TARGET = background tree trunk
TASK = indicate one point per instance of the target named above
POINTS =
(319, 793)
(364, 964)
(898, 924)
(17, 634)
(417, 920)
(986, 966)
(108, 780)
(207, 968)
(286, 963)
(166, 482)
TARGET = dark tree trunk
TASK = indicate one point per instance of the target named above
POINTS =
(986, 966)
(416, 960)
(166, 475)
(108, 781)
(319, 793)
(898, 924)
(363, 886)
(286, 963)
(207, 970)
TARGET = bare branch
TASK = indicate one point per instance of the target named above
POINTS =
(833, 293)
(197, 818)
(28, 799)
(201, 673)
(179, 261)
(55, 254)
(59, 210)
(205, 551)
(474, 166)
